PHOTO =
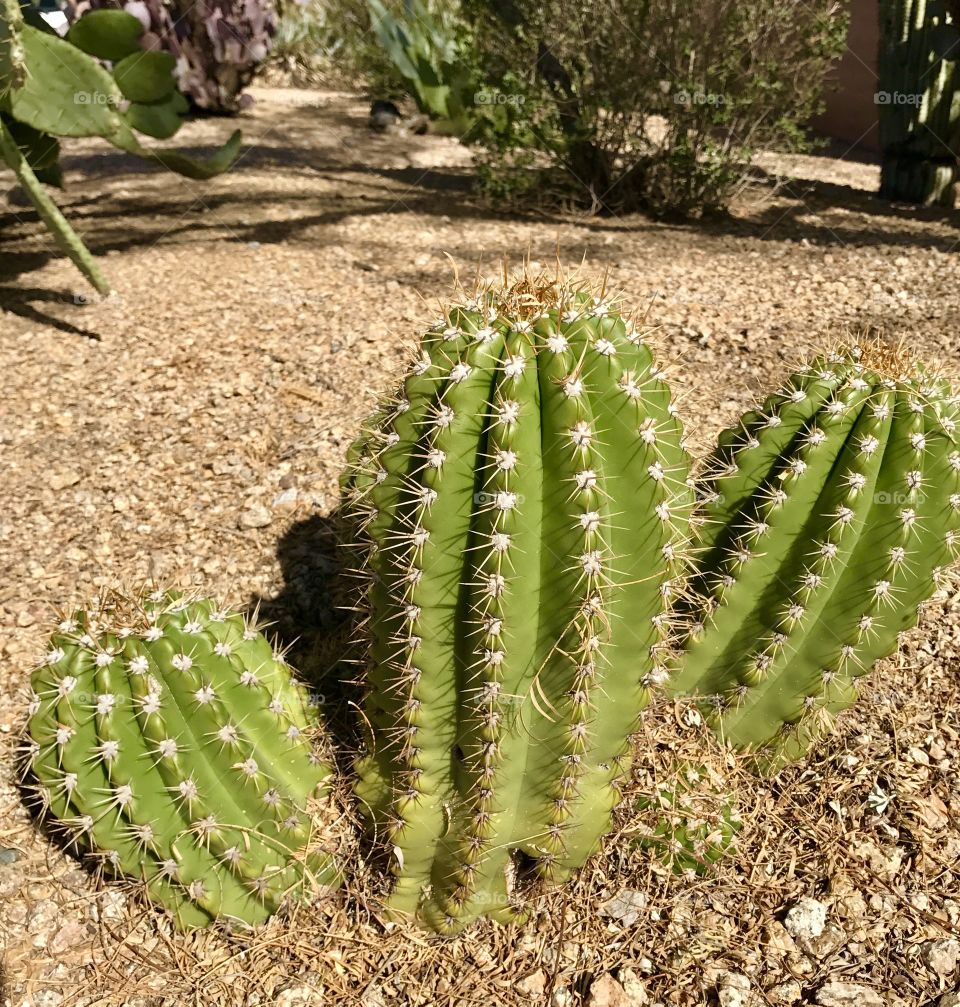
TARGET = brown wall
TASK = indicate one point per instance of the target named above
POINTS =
(851, 114)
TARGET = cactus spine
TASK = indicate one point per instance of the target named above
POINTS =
(829, 516)
(526, 500)
(169, 740)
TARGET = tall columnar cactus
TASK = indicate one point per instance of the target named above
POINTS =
(526, 501)
(918, 100)
(830, 514)
(168, 738)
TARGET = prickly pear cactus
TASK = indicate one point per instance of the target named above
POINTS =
(12, 60)
(526, 501)
(830, 515)
(168, 738)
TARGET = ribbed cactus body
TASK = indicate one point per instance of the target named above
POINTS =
(172, 742)
(917, 101)
(524, 499)
(829, 516)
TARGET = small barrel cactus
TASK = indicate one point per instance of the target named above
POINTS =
(691, 819)
(168, 738)
(830, 514)
(526, 501)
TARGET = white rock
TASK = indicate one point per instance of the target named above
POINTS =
(806, 919)
(45, 998)
(109, 905)
(62, 480)
(830, 941)
(941, 956)
(605, 991)
(633, 987)
(42, 922)
(949, 999)
(373, 997)
(885, 862)
(625, 906)
(733, 990)
(837, 994)
(286, 500)
(787, 993)
(299, 996)
(254, 516)
(70, 935)
(533, 985)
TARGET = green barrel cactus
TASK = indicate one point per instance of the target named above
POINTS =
(690, 821)
(170, 741)
(525, 499)
(830, 515)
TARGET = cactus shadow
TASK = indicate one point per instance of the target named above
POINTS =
(309, 620)
(22, 302)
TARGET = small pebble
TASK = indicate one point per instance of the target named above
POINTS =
(255, 517)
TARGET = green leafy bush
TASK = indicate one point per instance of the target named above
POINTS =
(652, 105)
(424, 48)
(322, 40)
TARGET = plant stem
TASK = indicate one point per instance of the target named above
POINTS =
(64, 235)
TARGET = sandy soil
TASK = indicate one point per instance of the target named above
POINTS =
(190, 429)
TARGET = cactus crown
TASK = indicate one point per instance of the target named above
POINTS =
(525, 499)
(828, 517)
(169, 740)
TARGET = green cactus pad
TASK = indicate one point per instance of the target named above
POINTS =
(829, 516)
(107, 34)
(525, 500)
(146, 76)
(171, 742)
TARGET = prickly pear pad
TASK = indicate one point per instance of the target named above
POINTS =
(171, 742)
(829, 516)
(525, 501)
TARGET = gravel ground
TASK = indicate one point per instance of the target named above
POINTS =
(190, 429)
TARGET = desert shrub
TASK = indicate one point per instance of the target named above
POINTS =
(325, 40)
(646, 104)
(333, 41)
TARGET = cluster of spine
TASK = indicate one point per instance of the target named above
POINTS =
(525, 500)
(829, 517)
(169, 740)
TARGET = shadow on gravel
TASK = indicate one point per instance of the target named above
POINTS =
(333, 184)
(21, 301)
(310, 622)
